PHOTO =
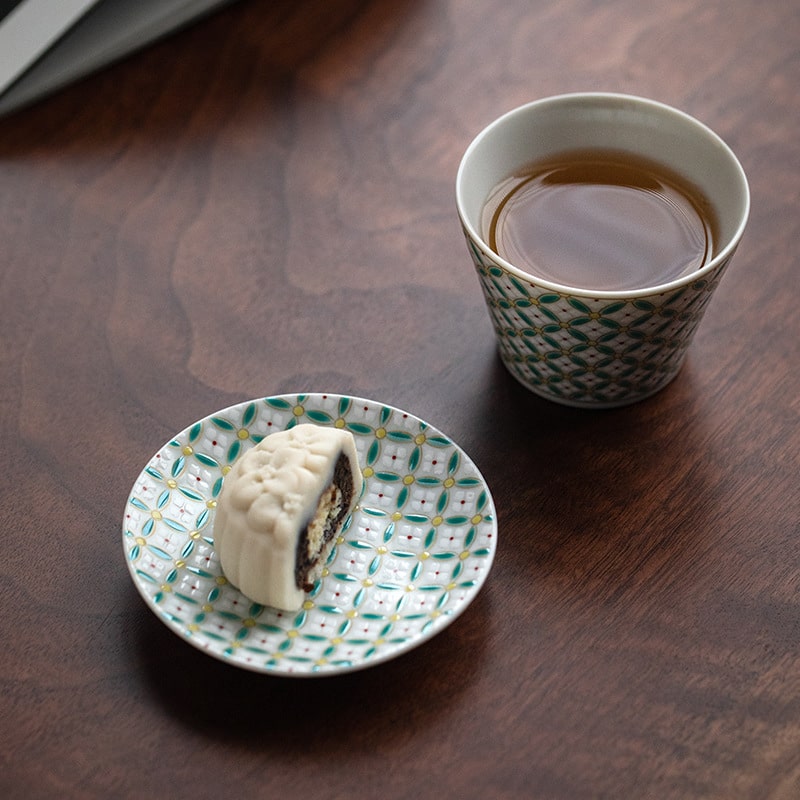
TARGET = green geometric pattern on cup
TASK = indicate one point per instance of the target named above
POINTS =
(411, 557)
(590, 351)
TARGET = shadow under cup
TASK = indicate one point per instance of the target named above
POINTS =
(579, 346)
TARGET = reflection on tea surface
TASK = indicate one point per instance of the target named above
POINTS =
(600, 220)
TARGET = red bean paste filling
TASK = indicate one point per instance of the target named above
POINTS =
(304, 563)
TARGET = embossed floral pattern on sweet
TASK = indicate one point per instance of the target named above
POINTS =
(413, 555)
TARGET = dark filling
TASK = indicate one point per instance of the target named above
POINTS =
(305, 563)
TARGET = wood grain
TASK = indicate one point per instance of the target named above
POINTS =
(263, 203)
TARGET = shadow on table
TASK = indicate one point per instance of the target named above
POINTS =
(371, 708)
(581, 483)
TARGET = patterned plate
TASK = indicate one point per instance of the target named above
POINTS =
(412, 557)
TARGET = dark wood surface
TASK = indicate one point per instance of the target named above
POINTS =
(264, 203)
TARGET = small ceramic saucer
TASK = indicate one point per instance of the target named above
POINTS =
(412, 557)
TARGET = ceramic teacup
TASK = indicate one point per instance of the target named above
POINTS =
(575, 345)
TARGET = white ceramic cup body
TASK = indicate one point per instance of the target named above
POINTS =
(572, 344)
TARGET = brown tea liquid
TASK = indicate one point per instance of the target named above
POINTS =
(600, 220)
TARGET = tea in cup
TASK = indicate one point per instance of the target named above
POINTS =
(599, 225)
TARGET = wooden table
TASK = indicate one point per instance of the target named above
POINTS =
(263, 204)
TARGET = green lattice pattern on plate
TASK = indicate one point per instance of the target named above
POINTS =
(590, 350)
(411, 558)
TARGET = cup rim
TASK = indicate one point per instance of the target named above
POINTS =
(621, 294)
